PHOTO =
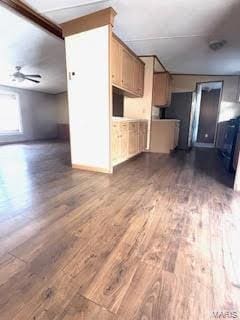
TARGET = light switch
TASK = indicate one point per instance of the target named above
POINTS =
(71, 75)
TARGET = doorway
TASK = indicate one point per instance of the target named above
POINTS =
(206, 114)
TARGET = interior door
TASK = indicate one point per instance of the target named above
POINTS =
(208, 116)
(180, 108)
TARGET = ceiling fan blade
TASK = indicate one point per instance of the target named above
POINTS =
(33, 75)
(32, 80)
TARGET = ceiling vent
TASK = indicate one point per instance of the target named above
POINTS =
(217, 44)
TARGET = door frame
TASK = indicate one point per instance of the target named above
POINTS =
(219, 103)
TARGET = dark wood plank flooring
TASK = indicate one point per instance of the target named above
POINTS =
(158, 239)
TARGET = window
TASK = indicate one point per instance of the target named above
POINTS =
(10, 116)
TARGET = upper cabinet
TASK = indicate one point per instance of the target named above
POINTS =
(127, 69)
(116, 62)
(162, 89)
(139, 68)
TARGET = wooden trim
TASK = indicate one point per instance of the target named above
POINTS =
(129, 93)
(156, 57)
(125, 46)
(27, 12)
(208, 81)
(163, 72)
(110, 88)
(160, 72)
(160, 63)
(205, 75)
(150, 122)
(92, 169)
(88, 22)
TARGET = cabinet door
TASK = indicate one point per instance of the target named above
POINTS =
(131, 144)
(137, 147)
(138, 77)
(135, 76)
(145, 135)
(141, 70)
(141, 141)
(124, 141)
(170, 86)
(115, 143)
(140, 136)
(127, 70)
(116, 62)
(132, 148)
(161, 89)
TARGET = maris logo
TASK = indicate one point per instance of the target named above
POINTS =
(225, 315)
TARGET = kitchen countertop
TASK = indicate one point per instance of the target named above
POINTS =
(164, 120)
(127, 119)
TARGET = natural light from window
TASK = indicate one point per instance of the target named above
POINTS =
(10, 117)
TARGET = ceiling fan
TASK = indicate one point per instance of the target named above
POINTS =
(19, 76)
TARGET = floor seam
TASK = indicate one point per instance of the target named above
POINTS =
(97, 304)
(20, 259)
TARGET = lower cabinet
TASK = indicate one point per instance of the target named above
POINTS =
(164, 135)
(143, 135)
(116, 147)
(129, 138)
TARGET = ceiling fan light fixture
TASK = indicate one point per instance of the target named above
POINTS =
(20, 77)
(216, 45)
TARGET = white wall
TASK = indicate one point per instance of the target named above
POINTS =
(39, 116)
(229, 108)
(89, 98)
(62, 108)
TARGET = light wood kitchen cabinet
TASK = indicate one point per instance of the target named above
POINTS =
(133, 138)
(138, 80)
(143, 136)
(129, 138)
(116, 62)
(164, 135)
(116, 146)
(127, 69)
(162, 89)
(124, 137)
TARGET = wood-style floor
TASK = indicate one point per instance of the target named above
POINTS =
(159, 239)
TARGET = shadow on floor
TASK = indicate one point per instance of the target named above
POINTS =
(207, 161)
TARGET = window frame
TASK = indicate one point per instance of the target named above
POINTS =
(19, 110)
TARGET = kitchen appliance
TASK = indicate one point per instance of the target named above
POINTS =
(229, 144)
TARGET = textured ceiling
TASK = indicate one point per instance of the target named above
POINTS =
(177, 31)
